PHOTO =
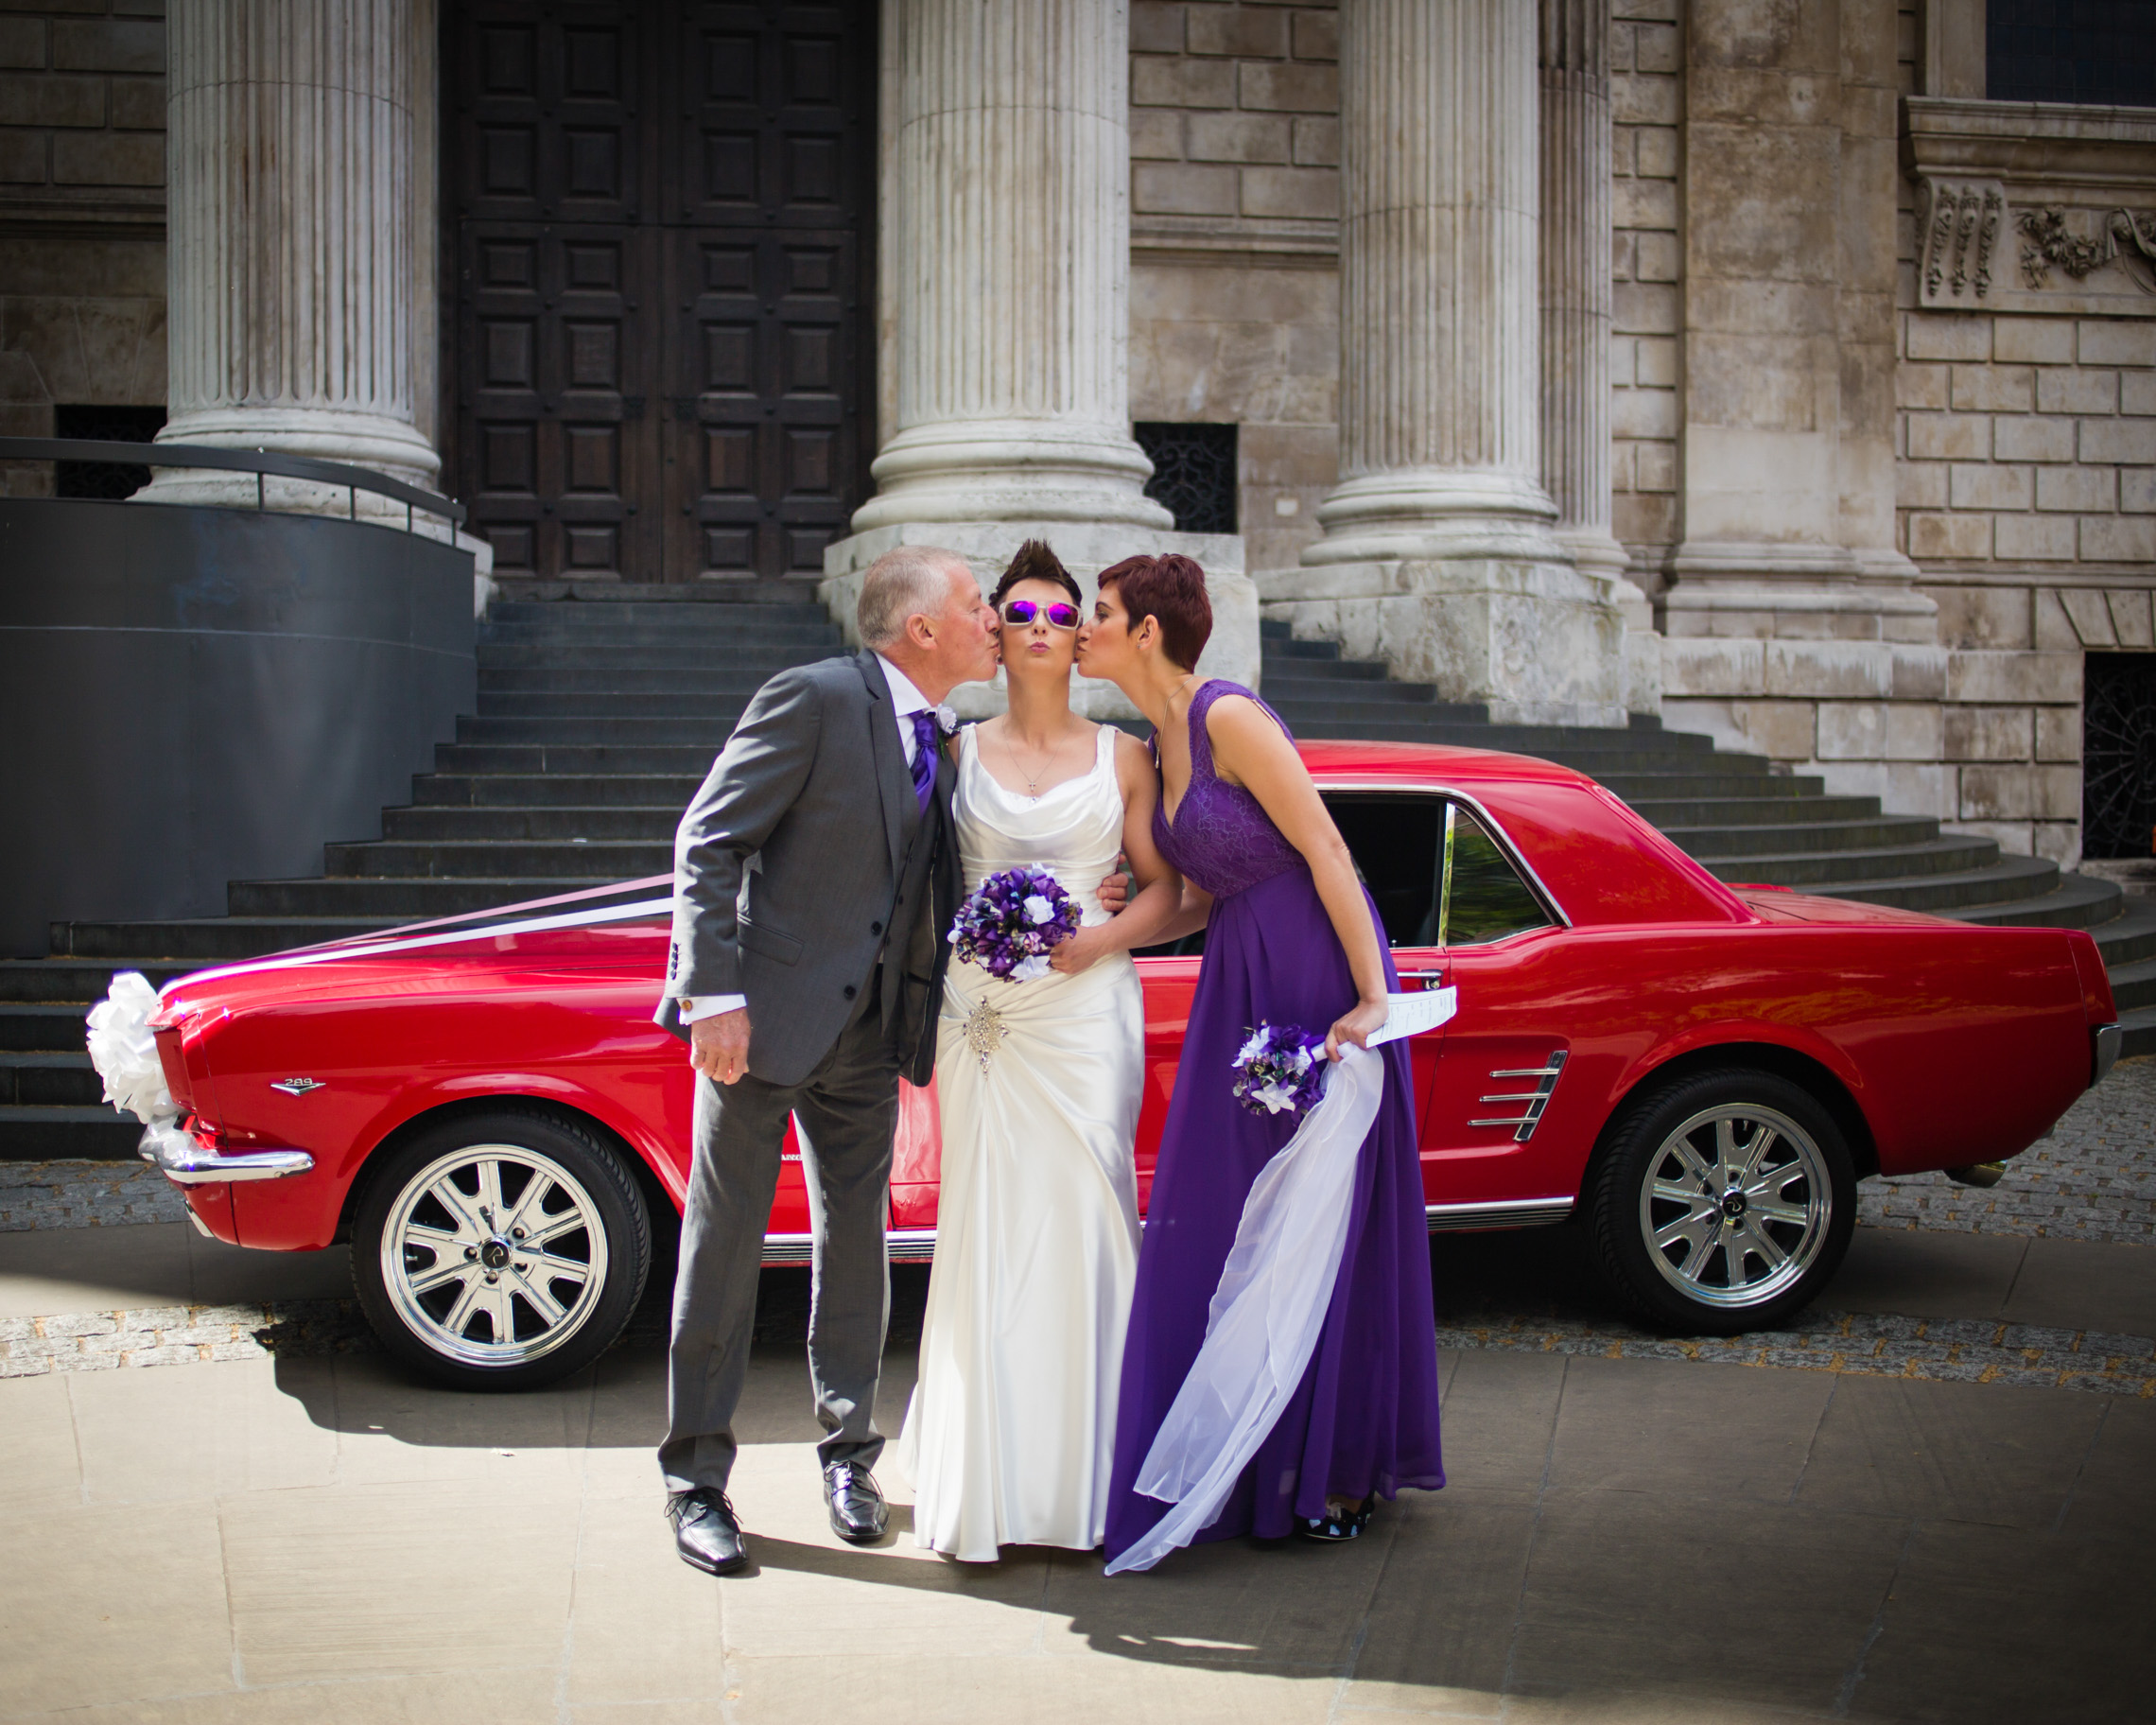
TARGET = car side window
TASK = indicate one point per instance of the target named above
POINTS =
(1485, 899)
(1395, 839)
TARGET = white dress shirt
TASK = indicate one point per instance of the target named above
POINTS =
(905, 702)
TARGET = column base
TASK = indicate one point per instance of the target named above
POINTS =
(381, 444)
(1537, 641)
(1013, 470)
(1086, 549)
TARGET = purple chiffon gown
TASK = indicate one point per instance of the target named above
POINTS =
(1365, 1418)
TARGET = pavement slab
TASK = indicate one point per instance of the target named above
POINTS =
(322, 1538)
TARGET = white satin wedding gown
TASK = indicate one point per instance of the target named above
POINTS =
(1010, 1436)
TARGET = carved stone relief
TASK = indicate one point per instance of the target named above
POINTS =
(1959, 237)
(2048, 240)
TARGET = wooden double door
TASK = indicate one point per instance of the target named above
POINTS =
(660, 219)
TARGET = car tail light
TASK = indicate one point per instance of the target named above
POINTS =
(175, 1065)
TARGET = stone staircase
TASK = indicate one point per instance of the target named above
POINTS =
(600, 709)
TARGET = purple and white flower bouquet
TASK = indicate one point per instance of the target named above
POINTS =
(1280, 1068)
(1011, 922)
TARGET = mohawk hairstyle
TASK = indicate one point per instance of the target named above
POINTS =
(1035, 562)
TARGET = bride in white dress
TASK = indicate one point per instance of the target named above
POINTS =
(1011, 1433)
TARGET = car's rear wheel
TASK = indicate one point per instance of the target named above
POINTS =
(500, 1251)
(1725, 1200)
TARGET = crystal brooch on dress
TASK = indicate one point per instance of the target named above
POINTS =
(984, 1030)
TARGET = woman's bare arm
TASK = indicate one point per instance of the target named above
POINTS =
(1160, 889)
(1251, 750)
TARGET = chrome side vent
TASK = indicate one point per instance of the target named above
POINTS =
(1536, 1099)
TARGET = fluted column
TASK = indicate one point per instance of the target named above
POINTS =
(1440, 440)
(1440, 550)
(1576, 286)
(292, 272)
(1006, 266)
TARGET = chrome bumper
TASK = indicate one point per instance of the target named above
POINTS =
(2107, 1038)
(184, 1162)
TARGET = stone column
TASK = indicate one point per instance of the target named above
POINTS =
(1575, 299)
(1004, 315)
(1794, 624)
(1439, 549)
(293, 254)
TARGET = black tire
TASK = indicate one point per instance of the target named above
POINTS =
(1732, 1256)
(463, 1270)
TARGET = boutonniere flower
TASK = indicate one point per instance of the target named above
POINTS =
(946, 720)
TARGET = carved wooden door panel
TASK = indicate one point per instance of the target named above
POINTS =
(766, 376)
(660, 283)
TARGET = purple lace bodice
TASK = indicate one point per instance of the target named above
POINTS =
(1220, 838)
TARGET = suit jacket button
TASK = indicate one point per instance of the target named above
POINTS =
(848, 991)
(876, 927)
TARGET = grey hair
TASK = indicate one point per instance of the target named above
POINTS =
(908, 581)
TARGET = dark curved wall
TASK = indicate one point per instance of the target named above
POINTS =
(192, 696)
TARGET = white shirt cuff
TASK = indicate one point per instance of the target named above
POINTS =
(695, 1006)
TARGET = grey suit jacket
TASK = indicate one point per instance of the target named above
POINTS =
(803, 859)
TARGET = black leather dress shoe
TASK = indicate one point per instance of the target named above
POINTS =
(707, 1533)
(858, 1512)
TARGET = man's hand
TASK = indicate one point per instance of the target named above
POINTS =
(718, 1046)
(1115, 889)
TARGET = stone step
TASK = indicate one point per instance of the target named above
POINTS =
(197, 942)
(708, 732)
(578, 759)
(720, 699)
(1284, 646)
(1347, 698)
(534, 860)
(1821, 870)
(774, 606)
(73, 981)
(1286, 663)
(545, 821)
(49, 1025)
(2129, 936)
(2138, 1029)
(2133, 985)
(2007, 885)
(2072, 902)
(49, 1079)
(1717, 812)
(700, 674)
(539, 789)
(1640, 788)
(34, 1134)
(665, 650)
(385, 902)
(573, 594)
(1714, 844)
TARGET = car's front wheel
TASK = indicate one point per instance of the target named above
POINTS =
(1725, 1200)
(500, 1251)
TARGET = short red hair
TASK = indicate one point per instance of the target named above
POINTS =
(1172, 591)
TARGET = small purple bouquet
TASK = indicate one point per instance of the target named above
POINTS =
(1280, 1068)
(1012, 920)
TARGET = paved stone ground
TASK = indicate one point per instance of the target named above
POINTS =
(2095, 1178)
(84, 1194)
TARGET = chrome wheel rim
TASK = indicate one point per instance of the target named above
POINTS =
(1735, 1206)
(493, 1255)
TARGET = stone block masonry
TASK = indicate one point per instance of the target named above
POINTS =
(82, 215)
(1646, 64)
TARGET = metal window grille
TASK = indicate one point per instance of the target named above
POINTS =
(2071, 51)
(106, 425)
(1194, 473)
(2118, 755)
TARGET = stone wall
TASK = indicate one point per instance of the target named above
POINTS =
(1647, 78)
(82, 214)
(1235, 194)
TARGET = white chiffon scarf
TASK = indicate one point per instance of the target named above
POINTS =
(1262, 1325)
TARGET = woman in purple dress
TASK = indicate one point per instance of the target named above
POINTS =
(1291, 937)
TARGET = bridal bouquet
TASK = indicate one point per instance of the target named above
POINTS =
(1012, 920)
(1279, 1069)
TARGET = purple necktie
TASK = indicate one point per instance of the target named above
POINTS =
(924, 767)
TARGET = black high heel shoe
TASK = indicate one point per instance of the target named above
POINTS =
(1335, 1526)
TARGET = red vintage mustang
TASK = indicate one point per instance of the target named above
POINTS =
(1698, 1073)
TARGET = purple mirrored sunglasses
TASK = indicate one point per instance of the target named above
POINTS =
(1023, 611)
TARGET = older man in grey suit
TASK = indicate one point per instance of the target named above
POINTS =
(814, 875)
